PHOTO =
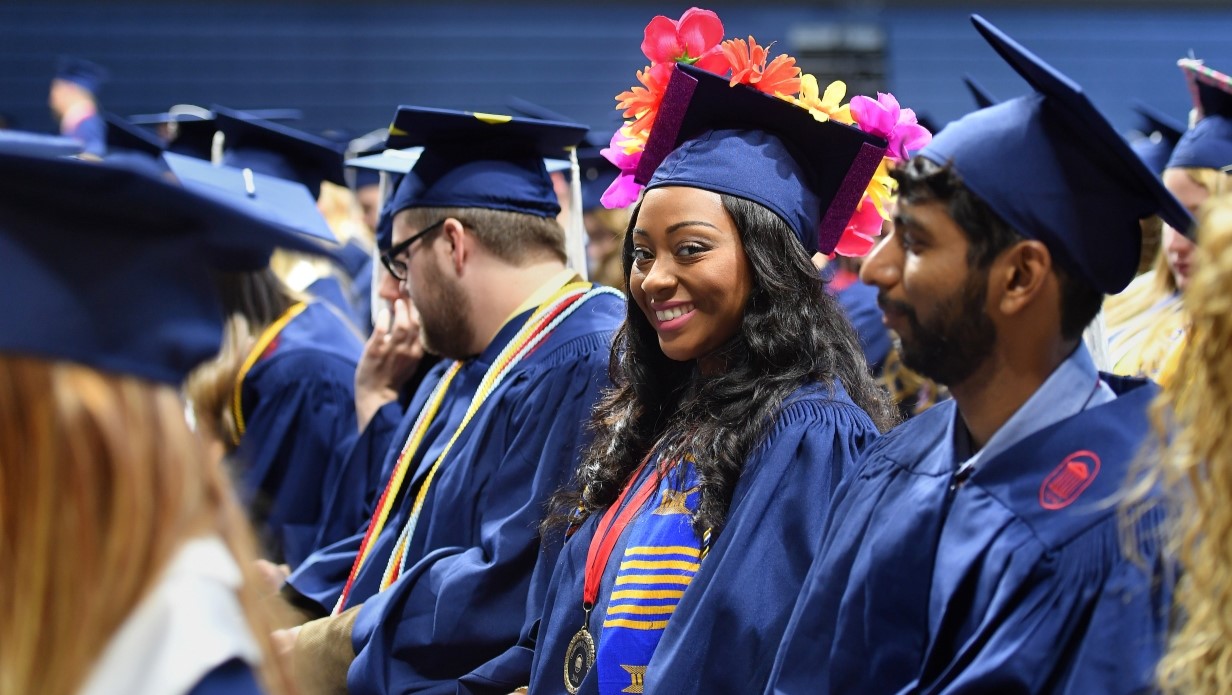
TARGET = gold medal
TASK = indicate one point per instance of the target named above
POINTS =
(579, 659)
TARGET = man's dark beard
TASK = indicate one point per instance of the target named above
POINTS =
(443, 316)
(957, 341)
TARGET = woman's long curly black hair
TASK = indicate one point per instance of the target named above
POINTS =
(792, 333)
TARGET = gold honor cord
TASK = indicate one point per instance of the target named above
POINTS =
(537, 327)
(267, 336)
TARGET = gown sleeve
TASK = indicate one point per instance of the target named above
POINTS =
(234, 677)
(349, 502)
(301, 425)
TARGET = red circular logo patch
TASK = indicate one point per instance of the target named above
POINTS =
(1068, 480)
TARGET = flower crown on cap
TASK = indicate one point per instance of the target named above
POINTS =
(697, 39)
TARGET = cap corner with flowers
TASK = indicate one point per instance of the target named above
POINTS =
(724, 115)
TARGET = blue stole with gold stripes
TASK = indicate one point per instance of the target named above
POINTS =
(662, 555)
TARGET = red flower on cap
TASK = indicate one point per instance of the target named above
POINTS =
(862, 231)
(692, 39)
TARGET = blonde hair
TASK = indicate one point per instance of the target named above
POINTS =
(1194, 445)
(210, 388)
(1142, 296)
(101, 481)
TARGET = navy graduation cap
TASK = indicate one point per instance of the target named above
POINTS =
(597, 174)
(88, 75)
(287, 204)
(194, 137)
(20, 142)
(1055, 170)
(1160, 133)
(274, 149)
(396, 163)
(478, 160)
(122, 134)
(983, 98)
(739, 141)
(1208, 144)
(117, 275)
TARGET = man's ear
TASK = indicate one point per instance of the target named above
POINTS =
(1018, 276)
(454, 233)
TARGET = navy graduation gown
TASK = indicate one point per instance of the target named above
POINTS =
(1011, 582)
(235, 677)
(321, 577)
(327, 288)
(724, 632)
(462, 599)
(299, 410)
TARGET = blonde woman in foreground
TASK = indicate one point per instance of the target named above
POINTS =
(1197, 469)
(124, 553)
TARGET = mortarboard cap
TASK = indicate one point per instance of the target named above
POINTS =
(1055, 170)
(476, 160)
(88, 75)
(194, 137)
(1160, 133)
(274, 149)
(1208, 144)
(122, 134)
(396, 163)
(20, 142)
(278, 201)
(739, 141)
(117, 276)
(983, 98)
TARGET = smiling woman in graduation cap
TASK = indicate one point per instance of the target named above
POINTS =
(741, 396)
(125, 556)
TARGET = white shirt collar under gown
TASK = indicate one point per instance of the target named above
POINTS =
(189, 623)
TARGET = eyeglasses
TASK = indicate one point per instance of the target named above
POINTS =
(390, 260)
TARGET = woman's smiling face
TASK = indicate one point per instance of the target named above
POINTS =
(689, 275)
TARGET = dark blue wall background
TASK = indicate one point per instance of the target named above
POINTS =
(348, 65)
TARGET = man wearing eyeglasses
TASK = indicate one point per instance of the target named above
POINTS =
(439, 579)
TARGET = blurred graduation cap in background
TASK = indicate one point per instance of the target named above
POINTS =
(117, 275)
(288, 204)
(1052, 167)
(1159, 135)
(1208, 143)
(983, 98)
(268, 147)
(86, 74)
